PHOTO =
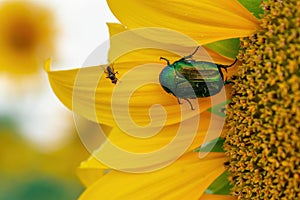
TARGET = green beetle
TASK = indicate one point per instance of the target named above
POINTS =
(189, 79)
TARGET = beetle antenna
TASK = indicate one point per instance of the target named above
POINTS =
(162, 58)
(190, 56)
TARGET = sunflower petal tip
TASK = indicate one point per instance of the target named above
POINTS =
(47, 65)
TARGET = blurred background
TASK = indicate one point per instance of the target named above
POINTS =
(39, 146)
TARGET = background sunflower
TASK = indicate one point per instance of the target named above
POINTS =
(39, 147)
(27, 35)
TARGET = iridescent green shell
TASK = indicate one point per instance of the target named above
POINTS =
(192, 79)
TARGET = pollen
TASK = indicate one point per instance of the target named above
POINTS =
(263, 118)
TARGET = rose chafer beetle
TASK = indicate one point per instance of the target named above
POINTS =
(189, 79)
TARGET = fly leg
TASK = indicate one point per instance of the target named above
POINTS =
(106, 74)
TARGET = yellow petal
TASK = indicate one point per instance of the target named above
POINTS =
(205, 21)
(139, 142)
(90, 171)
(138, 94)
(216, 197)
(187, 179)
(134, 45)
(147, 150)
(95, 101)
(87, 92)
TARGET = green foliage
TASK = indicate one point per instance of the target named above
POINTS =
(215, 145)
(220, 186)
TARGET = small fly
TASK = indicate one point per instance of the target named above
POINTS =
(111, 74)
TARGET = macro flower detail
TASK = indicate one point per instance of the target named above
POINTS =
(205, 21)
(26, 36)
(189, 175)
(137, 105)
(263, 117)
(107, 104)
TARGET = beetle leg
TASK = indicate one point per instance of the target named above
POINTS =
(223, 110)
(228, 82)
(232, 63)
(227, 66)
(189, 103)
(178, 101)
(224, 67)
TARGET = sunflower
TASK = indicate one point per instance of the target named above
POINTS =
(26, 36)
(262, 140)
(178, 172)
(128, 116)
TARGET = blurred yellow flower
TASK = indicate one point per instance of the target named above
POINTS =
(25, 171)
(26, 36)
(89, 93)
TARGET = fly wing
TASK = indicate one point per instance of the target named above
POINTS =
(112, 68)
